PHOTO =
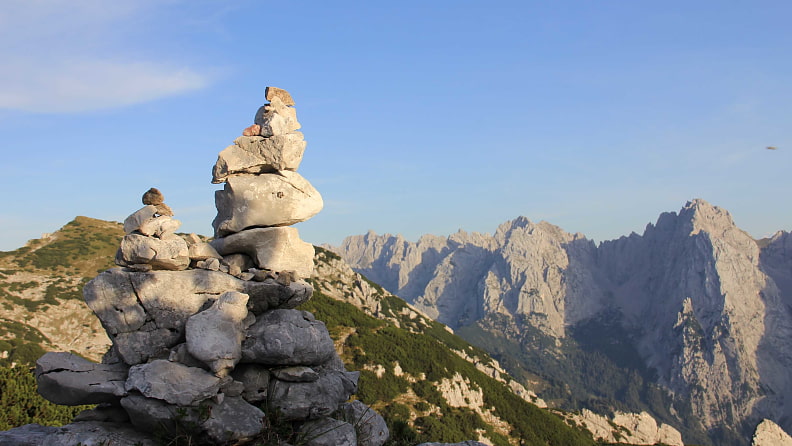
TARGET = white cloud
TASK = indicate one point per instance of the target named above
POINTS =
(81, 55)
(82, 85)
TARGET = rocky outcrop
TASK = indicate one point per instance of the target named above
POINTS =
(628, 428)
(708, 305)
(209, 346)
(770, 434)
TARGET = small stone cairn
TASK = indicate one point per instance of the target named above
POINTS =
(206, 340)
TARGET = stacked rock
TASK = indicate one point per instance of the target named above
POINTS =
(263, 193)
(207, 342)
(150, 241)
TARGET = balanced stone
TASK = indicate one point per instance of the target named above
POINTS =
(328, 432)
(275, 249)
(369, 425)
(255, 379)
(263, 201)
(233, 420)
(134, 221)
(65, 378)
(169, 253)
(288, 337)
(312, 400)
(276, 118)
(271, 93)
(153, 197)
(215, 335)
(256, 154)
(172, 382)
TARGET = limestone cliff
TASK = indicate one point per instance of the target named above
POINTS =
(706, 305)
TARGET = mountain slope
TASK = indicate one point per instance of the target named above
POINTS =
(693, 307)
(429, 383)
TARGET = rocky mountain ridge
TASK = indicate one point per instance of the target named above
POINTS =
(706, 307)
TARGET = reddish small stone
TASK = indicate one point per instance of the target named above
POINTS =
(253, 130)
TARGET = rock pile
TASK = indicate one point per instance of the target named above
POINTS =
(206, 338)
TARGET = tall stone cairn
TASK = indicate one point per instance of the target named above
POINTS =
(206, 340)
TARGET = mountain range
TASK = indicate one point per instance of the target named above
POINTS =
(691, 321)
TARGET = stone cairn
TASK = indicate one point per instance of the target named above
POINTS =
(206, 340)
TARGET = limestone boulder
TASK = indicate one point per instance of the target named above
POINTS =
(134, 221)
(312, 400)
(276, 118)
(286, 338)
(87, 433)
(370, 426)
(161, 227)
(233, 420)
(154, 415)
(202, 251)
(257, 154)
(328, 432)
(296, 374)
(169, 253)
(67, 379)
(255, 380)
(275, 199)
(215, 335)
(172, 382)
(275, 249)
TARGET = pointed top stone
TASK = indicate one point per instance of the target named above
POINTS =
(283, 95)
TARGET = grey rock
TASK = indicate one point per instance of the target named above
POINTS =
(287, 337)
(276, 118)
(311, 400)
(232, 388)
(370, 427)
(255, 379)
(296, 374)
(88, 433)
(160, 227)
(105, 413)
(249, 201)
(169, 253)
(67, 379)
(157, 416)
(233, 420)
(181, 355)
(275, 249)
(327, 432)
(145, 313)
(211, 264)
(256, 155)
(172, 382)
(134, 221)
(215, 335)
(202, 251)
(239, 262)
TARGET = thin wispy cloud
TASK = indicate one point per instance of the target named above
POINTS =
(82, 55)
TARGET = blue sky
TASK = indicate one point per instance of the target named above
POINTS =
(420, 117)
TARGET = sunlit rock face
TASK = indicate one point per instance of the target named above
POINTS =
(707, 304)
